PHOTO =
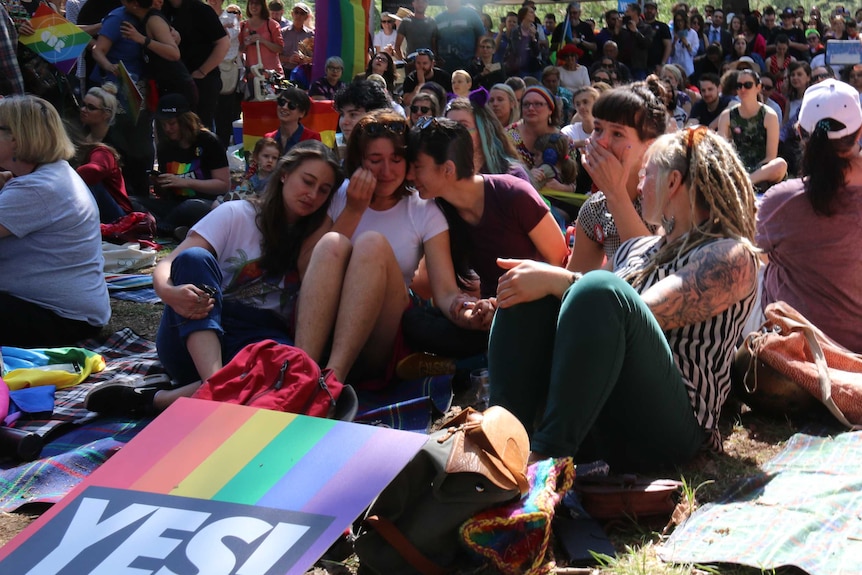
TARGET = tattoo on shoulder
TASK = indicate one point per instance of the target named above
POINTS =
(717, 276)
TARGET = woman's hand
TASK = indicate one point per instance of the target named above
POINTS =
(528, 280)
(129, 32)
(189, 301)
(609, 174)
(470, 313)
(170, 181)
(360, 190)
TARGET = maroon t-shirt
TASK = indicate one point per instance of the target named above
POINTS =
(512, 209)
(813, 264)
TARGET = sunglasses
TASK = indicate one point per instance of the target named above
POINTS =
(282, 102)
(334, 68)
(747, 85)
(91, 107)
(375, 129)
(820, 77)
(766, 87)
(528, 105)
(427, 121)
(380, 59)
(387, 21)
(420, 109)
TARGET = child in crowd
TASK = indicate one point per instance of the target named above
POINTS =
(557, 163)
(264, 157)
(582, 124)
(461, 83)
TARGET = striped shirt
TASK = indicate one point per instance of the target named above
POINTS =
(704, 351)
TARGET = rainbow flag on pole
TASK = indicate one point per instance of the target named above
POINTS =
(56, 39)
(216, 488)
(342, 30)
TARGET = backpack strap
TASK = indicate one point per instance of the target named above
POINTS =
(405, 548)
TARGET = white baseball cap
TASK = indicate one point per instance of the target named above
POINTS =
(835, 100)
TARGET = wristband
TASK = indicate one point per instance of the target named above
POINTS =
(147, 41)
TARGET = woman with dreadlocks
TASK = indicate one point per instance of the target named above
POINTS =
(633, 366)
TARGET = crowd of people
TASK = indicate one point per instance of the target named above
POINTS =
(717, 160)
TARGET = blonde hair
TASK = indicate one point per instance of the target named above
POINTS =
(107, 93)
(37, 129)
(717, 184)
(462, 74)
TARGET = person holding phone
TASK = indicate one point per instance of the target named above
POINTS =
(685, 43)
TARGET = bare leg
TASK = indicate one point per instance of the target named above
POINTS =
(320, 293)
(771, 172)
(205, 349)
(373, 300)
(164, 398)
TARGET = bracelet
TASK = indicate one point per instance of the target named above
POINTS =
(147, 42)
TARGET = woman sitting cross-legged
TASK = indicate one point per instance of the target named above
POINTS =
(234, 280)
(356, 292)
(754, 130)
(633, 367)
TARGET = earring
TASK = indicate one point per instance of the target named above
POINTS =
(668, 223)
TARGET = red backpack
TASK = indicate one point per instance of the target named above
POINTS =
(271, 375)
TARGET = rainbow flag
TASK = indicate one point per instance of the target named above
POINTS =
(342, 29)
(217, 488)
(260, 118)
(55, 39)
(130, 96)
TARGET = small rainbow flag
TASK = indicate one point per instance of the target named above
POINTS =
(217, 488)
(129, 94)
(55, 39)
(342, 27)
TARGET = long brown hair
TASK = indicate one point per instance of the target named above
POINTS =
(282, 241)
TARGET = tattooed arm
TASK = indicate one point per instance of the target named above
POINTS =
(719, 275)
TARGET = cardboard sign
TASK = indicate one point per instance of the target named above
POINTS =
(218, 489)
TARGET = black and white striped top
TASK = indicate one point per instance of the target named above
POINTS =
(703, 352)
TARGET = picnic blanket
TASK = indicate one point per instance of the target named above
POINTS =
(132, 287)
(68, 458)
(78, 441)
(804, 509)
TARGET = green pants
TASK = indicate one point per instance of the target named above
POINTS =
(593, 377)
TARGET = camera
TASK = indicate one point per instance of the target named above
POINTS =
(626, 20)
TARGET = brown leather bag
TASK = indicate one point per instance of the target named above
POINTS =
(789, 360)
(476, 461)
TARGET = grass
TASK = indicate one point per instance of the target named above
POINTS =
(750, 441)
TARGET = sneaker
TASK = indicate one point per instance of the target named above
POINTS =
(115, 398)
(419, 365)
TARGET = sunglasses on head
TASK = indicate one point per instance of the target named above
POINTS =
(747, 85)
(375, 129)
(420, 109)
(282, 102)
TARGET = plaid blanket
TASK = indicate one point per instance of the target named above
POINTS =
(70, 457)
(805, 510)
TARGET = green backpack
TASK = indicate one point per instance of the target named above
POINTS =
(478, 460)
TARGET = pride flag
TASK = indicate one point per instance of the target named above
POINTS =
(55, 39)
(260, 118)
(217, 488)
(341, 29)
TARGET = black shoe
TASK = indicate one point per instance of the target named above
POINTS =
(113, 398)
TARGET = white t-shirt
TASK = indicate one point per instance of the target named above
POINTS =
(381, 39)
(574, 79)
(231, 229)
(54, 256)
(575, 132)
(407, 225)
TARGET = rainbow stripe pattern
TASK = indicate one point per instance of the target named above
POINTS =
(342, 28)
(56, 39)
(240, 455)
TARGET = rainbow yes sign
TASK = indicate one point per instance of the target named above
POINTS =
(216, 488)
(56, 39)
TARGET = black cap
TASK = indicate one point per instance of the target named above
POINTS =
(171, 106)
(788, 12)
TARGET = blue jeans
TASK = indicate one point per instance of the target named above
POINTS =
(236, 324)
(596, 376)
